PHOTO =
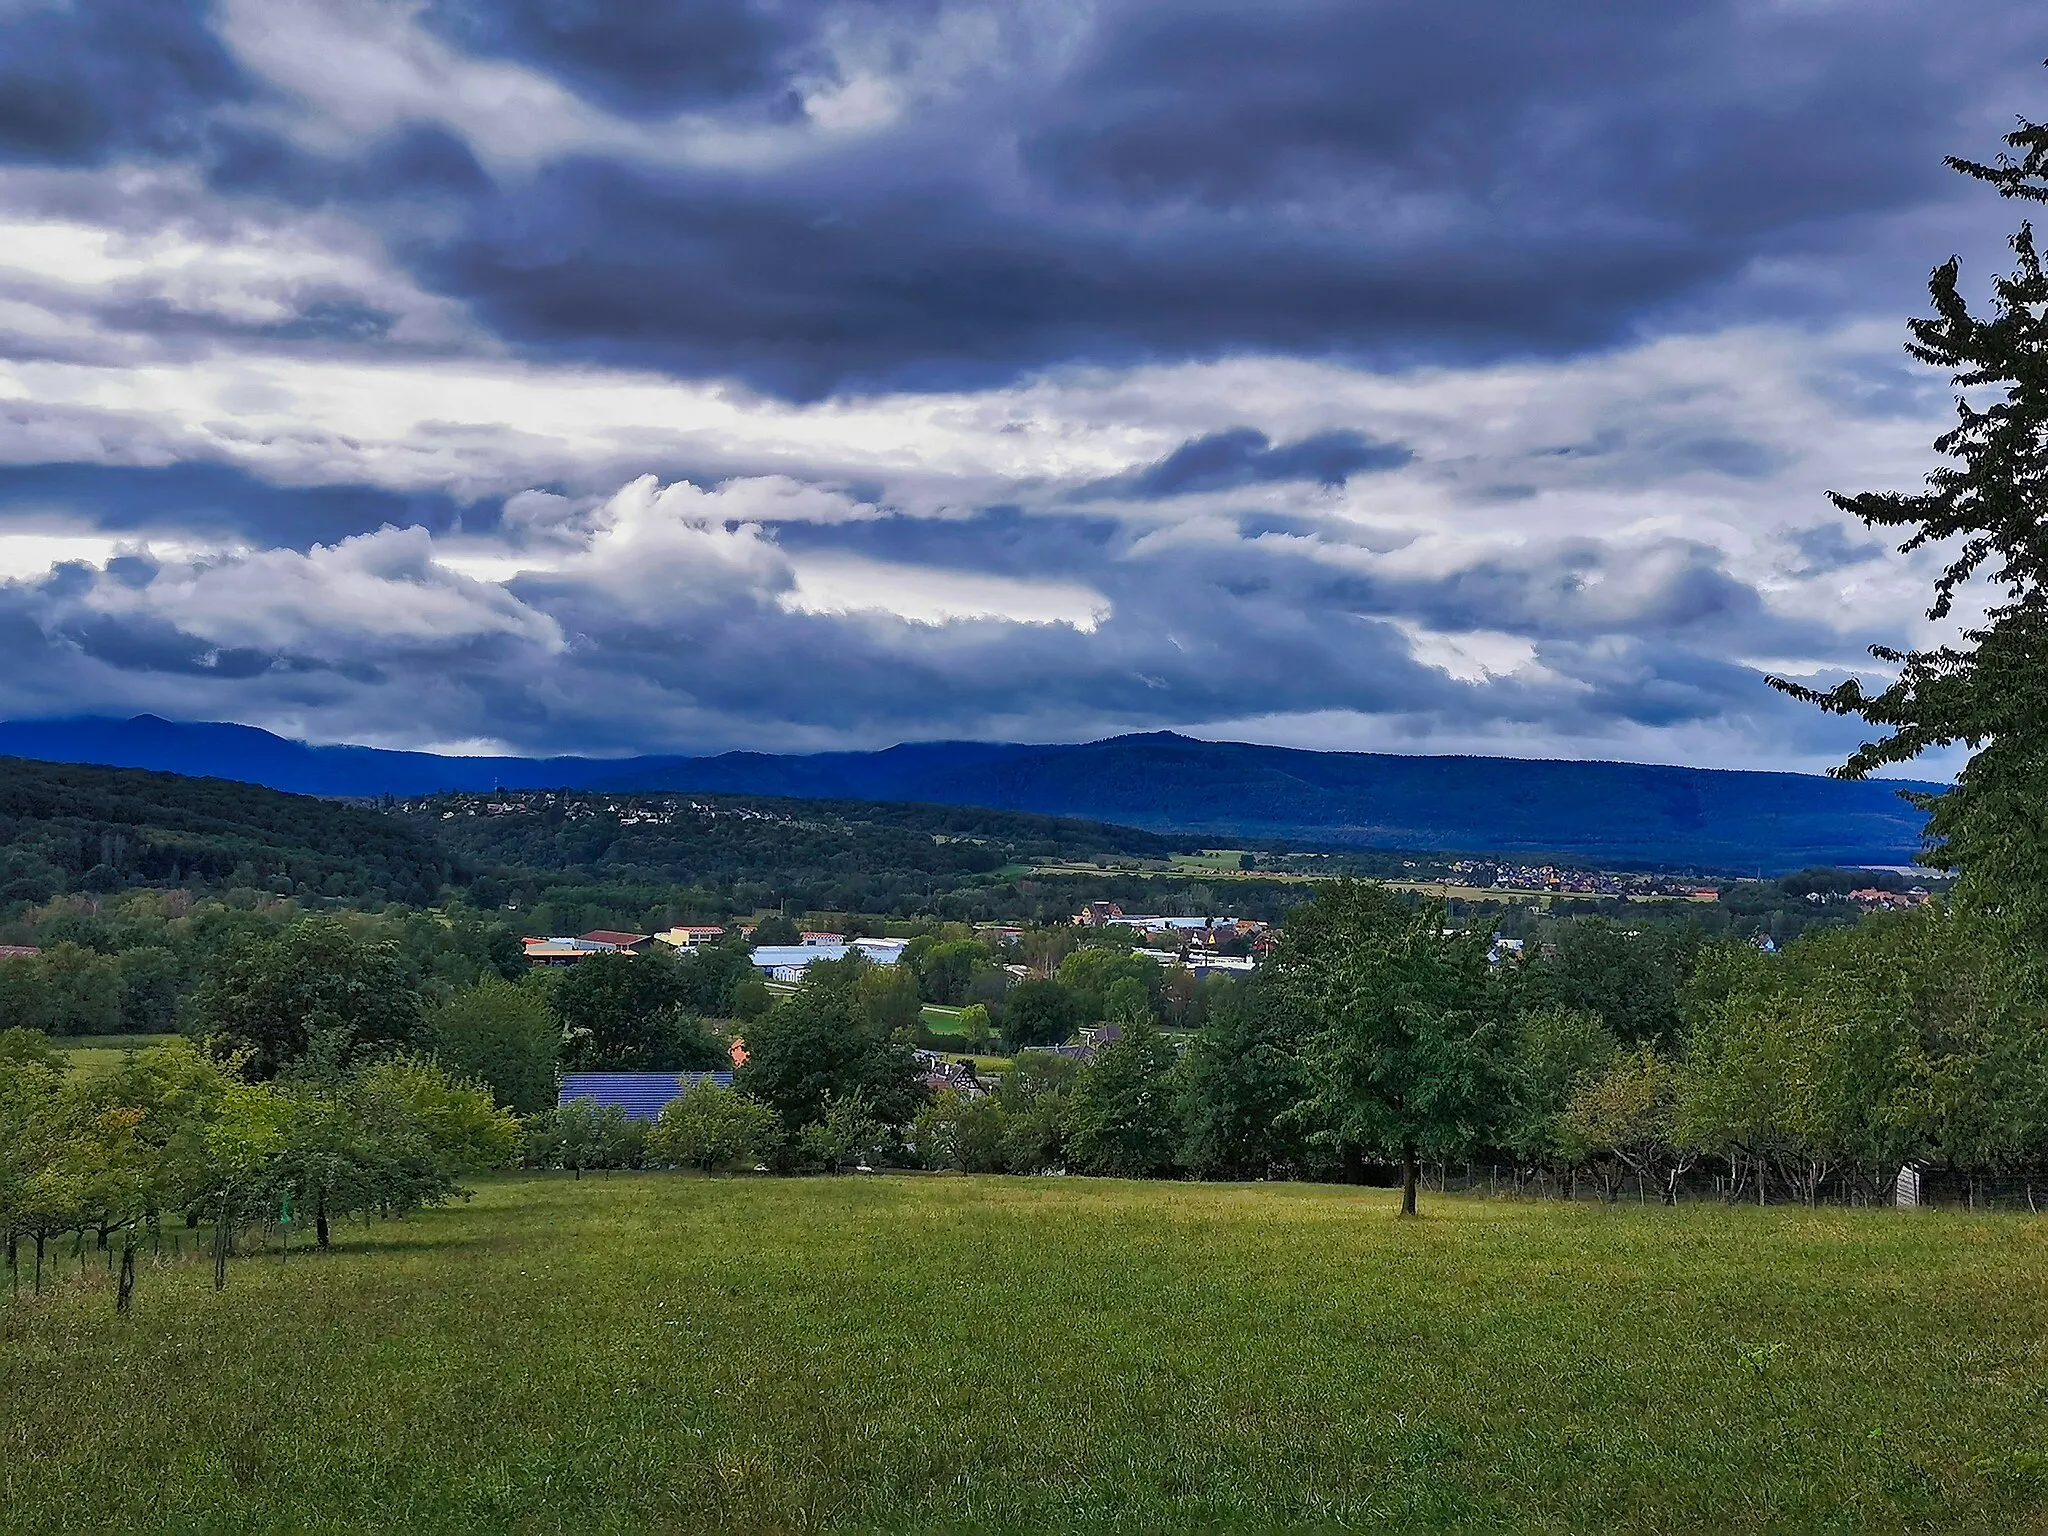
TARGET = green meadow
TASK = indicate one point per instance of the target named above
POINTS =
(659, 1352)
(95, 1055)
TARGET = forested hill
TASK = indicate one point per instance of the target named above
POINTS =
(842, 855)
(73, 827)
(1590, 812)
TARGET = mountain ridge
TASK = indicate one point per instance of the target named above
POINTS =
(1158, 781)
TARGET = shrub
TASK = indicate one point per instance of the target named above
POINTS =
(714, 1129)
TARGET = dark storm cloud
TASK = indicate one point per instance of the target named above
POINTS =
(1462, 180)
(1000, 539)
(81, 82)
(1195, 632)
(1244, 456)
(194, 497)
(1458, 180)
(1828, 547)
(1393, 185)
(641, 60)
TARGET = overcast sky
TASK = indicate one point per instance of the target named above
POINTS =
(679, 375)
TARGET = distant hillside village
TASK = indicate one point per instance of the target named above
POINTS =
(1203, 945)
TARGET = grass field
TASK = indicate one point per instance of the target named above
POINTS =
(654, 1352)
(94, 1054)
(941, 1020)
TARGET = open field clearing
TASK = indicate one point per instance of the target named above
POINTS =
(92, 1055)
(660, 1352)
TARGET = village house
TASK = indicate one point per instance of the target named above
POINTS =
(959, 1076)
(692, 935)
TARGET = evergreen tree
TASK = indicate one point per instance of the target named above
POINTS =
(1990, 691)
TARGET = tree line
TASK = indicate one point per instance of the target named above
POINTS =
(177, 1139)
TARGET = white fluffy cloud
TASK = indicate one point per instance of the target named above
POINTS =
(373, 594)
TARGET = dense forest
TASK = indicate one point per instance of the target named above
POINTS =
(553, 861)
(72, 827)
(643, 857)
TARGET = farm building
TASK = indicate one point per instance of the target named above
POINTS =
(786, 962)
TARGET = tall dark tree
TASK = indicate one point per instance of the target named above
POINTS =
(504, 1036)
(777, 929)
(1038, 1012)
(1243, 1076)
(1630, 977)
(1990, 690)
(820, 1046)
(1124, 1119)
(627, 1013)
(315, 988)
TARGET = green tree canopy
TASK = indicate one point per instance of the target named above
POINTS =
(1629, 977)
(627, 1013)
(1989, 690)
(315, 983)
(503, 1035)
(1124, 1118)
(777, 929)
(1243, 1077)
(1401, 1062)
(946, 970)
(714, 1129)
(1039, 1012)
(818, 1046)
(1091, 974)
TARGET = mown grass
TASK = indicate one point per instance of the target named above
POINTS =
(656, 1352)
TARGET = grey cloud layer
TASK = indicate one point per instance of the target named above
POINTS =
(656, 620)
(931, 194)
(1464, 372)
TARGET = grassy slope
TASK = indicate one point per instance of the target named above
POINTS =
(661, 1352)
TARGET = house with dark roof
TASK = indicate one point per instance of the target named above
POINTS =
(642, 1095)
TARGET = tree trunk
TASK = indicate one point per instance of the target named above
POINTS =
(126, 1293)
(320, 1219)
(39, 1263)
(1411, 1172)
(220, 1250)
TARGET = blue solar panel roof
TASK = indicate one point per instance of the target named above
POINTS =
(641, 1095)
